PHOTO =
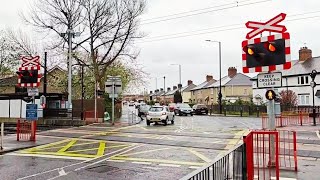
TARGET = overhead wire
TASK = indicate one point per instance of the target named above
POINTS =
(225, 28)
(237, 4)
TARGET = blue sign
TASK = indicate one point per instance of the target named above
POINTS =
(32, 112)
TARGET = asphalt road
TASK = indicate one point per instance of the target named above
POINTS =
(133, 152)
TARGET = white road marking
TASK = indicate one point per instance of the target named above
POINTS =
(94, 163)
(170, 165)
(62, 172)
(194, 167)
(48, 156)
(318, 134)
(153, 168)
(111, 160)
(137, 162)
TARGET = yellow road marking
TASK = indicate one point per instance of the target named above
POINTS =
(79, 144)
(234, 141)
(143, 152)
(67, 146)
(50, 144)
(159, 161)
(201, 156)
(62, 154)
(102, 146)
(81, 150)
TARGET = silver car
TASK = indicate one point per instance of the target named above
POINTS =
(160, 114)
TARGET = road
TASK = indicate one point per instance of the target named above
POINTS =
(131, 152)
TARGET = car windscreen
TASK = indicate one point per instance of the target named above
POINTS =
(156, 109)
(184, 106)
(201, 106)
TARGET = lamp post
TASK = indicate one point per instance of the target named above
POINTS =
(313, 84)
(69, 34)
(220, 94)
(164, 89)
(179, 71)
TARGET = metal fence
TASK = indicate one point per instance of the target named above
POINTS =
(230, 166)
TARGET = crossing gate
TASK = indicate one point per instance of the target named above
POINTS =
(269, 151)
(26, 130)
(284, 120)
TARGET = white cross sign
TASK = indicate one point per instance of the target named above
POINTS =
(271, 26)
(30, 61)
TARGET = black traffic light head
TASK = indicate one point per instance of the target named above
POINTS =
(28, 76)
(266, 53)
(313, 74)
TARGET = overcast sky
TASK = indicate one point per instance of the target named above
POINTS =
(198, 57)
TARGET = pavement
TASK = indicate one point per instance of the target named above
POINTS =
(137, 151)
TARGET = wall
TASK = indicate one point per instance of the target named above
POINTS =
(16, 110)
(186, 96)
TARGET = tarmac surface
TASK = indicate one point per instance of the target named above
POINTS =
(101, 151)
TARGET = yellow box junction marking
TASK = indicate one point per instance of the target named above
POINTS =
(201, 156)
(63, 150)
(71, 143)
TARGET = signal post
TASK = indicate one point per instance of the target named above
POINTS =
(267, 54)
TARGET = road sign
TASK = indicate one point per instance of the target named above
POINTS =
(313, 84)
(113, 95)
(270, 80)
(271, 26)
(32, 112)
(270, 95)
(33, 91)
(113, 81)
(29, 75)
(266, 54)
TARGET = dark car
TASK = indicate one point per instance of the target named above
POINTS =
(200, 109)
(183, 109)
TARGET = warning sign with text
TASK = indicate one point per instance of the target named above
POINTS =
(270, 80)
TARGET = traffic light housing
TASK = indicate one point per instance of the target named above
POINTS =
(28, 76)
(266, 53)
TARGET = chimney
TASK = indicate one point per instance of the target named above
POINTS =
(304, 54)
(190, 82)
(157, 90)
(168, 89)
(179, 86)
(150, 92)
(161, 89)
(232, 71)
(209, 78)
(174, 87)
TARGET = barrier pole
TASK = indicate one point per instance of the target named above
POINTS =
(2, 135)
(18, 129)
(295, 150)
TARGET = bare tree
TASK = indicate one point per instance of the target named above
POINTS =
(107, 29)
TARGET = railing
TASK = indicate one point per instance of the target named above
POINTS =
(230, 166)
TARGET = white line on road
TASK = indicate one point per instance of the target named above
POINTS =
(62, 172)
(170, 165)
(145, 163)
(318, 134)
(152, 168)
(194, 167)
(110, 160)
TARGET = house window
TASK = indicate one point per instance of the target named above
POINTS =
(303, 80)
(303, 99)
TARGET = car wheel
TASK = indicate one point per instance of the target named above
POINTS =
(191, 114)
(165, 122)
(148, 123)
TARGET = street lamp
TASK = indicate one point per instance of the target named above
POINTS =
(164, 89)
(220, 94)
(69, 35)
(179, 71)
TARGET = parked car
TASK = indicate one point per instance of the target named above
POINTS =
(200, 109)
(183, 109)
(160, 114)
(143, 110)
(131, 103)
